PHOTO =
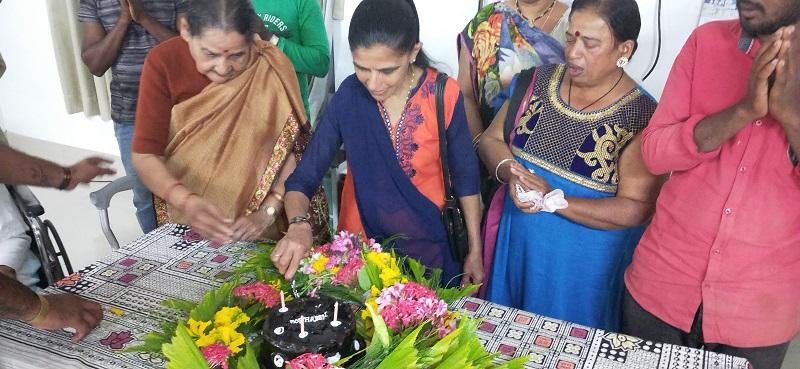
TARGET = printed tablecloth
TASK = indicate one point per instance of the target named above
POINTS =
(175, 262)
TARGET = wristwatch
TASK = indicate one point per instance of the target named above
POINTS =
(299, 220)
(274, 39)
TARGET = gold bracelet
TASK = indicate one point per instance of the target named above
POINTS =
(277, 196)
(44, 308)
(476, 141)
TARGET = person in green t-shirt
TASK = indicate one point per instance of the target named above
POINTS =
(297, 27)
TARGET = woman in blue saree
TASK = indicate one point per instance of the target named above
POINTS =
(385, 116)
(562, 253)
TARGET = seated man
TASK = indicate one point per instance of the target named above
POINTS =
(54, 311)
(16, 259)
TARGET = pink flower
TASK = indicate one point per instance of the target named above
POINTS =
(309, 361)
(374, 246)
(264, 293)
(406, 305)
(348, 274)
(217, 354)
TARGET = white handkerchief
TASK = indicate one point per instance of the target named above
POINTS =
(550, 203)
(533, 196)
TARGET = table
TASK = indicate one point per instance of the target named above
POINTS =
(175, 262)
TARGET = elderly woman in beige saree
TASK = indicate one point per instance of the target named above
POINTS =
(220, 125)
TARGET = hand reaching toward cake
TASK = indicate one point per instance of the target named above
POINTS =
(292, 248)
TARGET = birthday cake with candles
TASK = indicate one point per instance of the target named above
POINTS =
(317, 325)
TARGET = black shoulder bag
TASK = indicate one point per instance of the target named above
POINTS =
(452, 217)
(524, 80)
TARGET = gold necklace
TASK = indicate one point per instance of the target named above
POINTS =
(388, 120)
(545, 22)
(531, 22)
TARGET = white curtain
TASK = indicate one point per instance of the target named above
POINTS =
(83, 92)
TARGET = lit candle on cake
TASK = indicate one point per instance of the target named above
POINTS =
(303, 333)
(283, 308)
(336, 322)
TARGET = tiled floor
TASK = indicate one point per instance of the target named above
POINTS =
(77, 221)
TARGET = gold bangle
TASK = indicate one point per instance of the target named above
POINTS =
(477, 140)
(277, 196)
(44, 308)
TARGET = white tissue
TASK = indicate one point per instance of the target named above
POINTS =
(550, 203)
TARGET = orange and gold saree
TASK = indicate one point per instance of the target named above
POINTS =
(229, 142)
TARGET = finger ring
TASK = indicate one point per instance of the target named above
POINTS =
(278, 255)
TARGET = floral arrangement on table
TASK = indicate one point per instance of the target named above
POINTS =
(404, 313)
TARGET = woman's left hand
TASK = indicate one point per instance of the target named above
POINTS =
(251, 227)
(473, 269)
(528, 181)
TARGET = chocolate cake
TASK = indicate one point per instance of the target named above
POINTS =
(284, 341)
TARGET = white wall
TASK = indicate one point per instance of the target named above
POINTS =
(440, 23)
(31, 102)
(30, 95)
(678, 19)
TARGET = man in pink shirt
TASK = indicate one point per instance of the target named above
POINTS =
(719, 267)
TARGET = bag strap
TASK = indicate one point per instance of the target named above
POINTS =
(520, 90)
(441, 82)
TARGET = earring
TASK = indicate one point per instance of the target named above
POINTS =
(622, 61)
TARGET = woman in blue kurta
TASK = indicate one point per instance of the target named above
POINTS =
(576, 129)
(385, 116)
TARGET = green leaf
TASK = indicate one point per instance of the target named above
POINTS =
(404, 355)
(153, 342)
(182, 305)
(456, 360)
(382, 336)
(183, 353)
(450, 295)
(213, 301)
(363, 279)
(341, 292)
(517, 363)
(248, 361)
(436, 353)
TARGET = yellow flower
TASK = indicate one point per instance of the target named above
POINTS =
(319, 264)
(368, 324)
(229, 337)
(197, 328)
(389, 276)
(230, 317)
(205, 340)
(381, 259)
(375, 292)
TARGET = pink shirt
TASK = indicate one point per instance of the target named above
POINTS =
(727, 225)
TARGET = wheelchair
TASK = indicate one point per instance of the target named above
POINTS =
(45, 241)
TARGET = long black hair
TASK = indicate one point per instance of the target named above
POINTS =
(227, 15)
(622, 16)
(390, 23)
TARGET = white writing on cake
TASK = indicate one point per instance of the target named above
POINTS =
(311, 319)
